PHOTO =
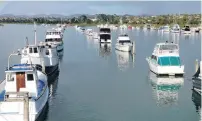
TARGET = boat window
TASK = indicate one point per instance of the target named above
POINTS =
(30, 77)
(35, 50)
(125, 41)
(10, 77)
(47, 52)
(30, 50)
(105, 36)
(169, 61)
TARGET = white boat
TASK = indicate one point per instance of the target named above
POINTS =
(124, 43)
(186, 30)
(25, 95)
(54, 37)
(45, 55)
(175, 28)
(166, 28)
(165, 89)
(165, 60)
(89, 32)
(105, 35)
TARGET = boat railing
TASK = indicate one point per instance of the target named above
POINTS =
(18, 54)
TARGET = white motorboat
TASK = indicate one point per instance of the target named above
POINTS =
(175, 28)
(26, 93)
(165, 89)
(124, 43)
(166, 28)
(165, 60)
(45, 55)
(54, 37)
(105, 35)
(186, 30)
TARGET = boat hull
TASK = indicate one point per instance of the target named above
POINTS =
(165, 70)
(105, 41)
(125, 48)
(14, 110)
(51, 69)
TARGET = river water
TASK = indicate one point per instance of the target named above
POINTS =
(98, 83)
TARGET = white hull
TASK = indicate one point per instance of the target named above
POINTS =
(125, 48)
(168, 70)
(186, 32)
(105, 41)
(175, 31)
(14, 111)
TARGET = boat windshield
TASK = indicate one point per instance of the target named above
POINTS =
(105, 30)
(53, 40)
(168, 47)
(124, 41)
(169, 61)
(105, 36)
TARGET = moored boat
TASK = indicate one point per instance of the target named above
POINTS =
(124, 43)
(26, 93)
(165, 60)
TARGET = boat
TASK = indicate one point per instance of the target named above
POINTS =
(196, 79)
(186, 30)
(165, 89)
(41, 54)
(124, 43)
(105, 35)
(175, 28)
(54, 37)
(165, 60)
(166, 28)
(26, 93)
(148, 26)
(89, 32)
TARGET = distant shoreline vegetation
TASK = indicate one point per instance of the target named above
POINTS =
(90, 20)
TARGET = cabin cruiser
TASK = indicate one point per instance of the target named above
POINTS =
(186, 30)
(165, 60)
(165, 89)
(166, 28)
(41, 54)
(148, 26)
(124, 43)
(105, 35)
(54, 37)
(175, 29)
(26, 92)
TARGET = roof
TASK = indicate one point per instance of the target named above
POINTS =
(21, 67)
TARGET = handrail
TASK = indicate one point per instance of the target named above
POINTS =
(17, 54)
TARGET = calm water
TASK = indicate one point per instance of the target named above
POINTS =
(97, 83)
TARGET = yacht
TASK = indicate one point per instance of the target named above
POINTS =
(26, 93)
(165, 89)
(55, 37)
(175, 28)
(165, 60)
(105, 35)
(186, 30)
(166, 28)
(124, 43)
(41, 54)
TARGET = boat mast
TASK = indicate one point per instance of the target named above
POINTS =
(35, 33)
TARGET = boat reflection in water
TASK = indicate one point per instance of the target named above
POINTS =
(196, 98)
(123, 59)
(165, 89)
(105, 49)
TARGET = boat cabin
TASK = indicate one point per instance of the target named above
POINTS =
(124, 38)
(23, 78)
(105, 30)
(166, 54)
(53, 36)
(186, 28)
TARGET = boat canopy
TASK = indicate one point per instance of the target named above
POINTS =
(169, 61)
(105, 30)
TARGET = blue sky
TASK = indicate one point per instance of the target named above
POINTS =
(93, 7)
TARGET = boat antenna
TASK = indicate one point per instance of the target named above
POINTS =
(35, 32)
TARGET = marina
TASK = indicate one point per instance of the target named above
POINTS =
(96, 81)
